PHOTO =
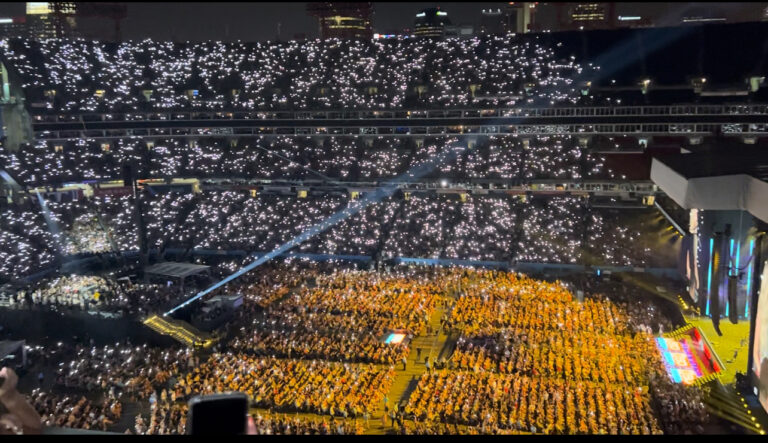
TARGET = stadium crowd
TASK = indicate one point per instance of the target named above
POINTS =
(370, 158)
(284, 425)
(85, 76)
(291, 385)
(95, 294)
(491, 228)
(529, 358)
(344, 317)
(71, 412)
(83, 292)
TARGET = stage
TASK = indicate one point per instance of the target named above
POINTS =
(732, 347)
(689, 357)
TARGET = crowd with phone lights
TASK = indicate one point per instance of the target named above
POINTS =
(528, 358)
(309, 345)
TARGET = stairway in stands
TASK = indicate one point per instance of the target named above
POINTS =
(386, 228)
(128, 415)
(405, 381)
(180, 331)
(183, 215)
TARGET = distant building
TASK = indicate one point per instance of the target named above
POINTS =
(515, 17)
(460, 31)
(51, 19)
(586, 16)
(492, 21)
(343, 20)
(43, 20)
(431, 23)
(14, 27)
(519, 17)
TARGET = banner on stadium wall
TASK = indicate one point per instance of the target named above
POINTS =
(177, 188)
(448, 261)
(686, 263)
(319, 257)
(521, 267)
(58, 196)
(112, 192)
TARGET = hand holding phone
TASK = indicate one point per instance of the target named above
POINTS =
(218, 414)
(8, 381)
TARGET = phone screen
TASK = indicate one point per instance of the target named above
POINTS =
(218, 414)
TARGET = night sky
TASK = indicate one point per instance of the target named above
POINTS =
(260, 21)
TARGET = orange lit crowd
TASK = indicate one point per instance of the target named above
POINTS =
(577, 356)
(531, 404)
(291, 385)
(346, 346)
(344, 317)
(528, 358)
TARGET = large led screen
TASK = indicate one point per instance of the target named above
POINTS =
(760, 352)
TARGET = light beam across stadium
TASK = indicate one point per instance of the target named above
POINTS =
(749, 278)
(613, 60)
(729, 274)
(293, 162)
(52, 226)
(709, 274)
(7, 177)
(379, 194)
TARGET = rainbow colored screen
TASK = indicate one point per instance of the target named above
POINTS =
(394, 339)
(678, 360)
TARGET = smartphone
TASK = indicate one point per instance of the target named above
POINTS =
(218, 414)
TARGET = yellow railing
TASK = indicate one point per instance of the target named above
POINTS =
(679, 332)
(179, 331)
(706, 379)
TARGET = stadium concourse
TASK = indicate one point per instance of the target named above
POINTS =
(518, 287)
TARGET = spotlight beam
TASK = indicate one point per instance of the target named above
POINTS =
(379, 194)
(7, 177)
(670, 219)
(616, 59)
(293, 162)
(625, 53)
(52, 226)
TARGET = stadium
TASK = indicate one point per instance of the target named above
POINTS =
(540, 233)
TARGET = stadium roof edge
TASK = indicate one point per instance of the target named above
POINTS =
(718, 185)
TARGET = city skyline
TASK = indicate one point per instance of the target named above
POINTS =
(263, 21)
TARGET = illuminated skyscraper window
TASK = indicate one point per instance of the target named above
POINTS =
(343, 19)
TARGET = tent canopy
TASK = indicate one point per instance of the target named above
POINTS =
(176, 270)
